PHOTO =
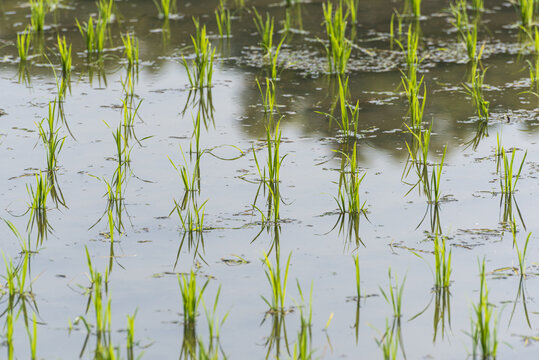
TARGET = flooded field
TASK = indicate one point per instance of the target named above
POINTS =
(269, 180)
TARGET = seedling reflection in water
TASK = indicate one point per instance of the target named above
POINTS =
(303, 346)
(38, 207)
(484, 323)
(522, 273)
(392, 336)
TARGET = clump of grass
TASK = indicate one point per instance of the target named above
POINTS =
(131, 50)
(484, 323)
(191, 297)
(509, 179)
(222, 16)
(23, 44)
(38, 10)
(442, 262)
(165, 7)
(201, 70)
(65, 56)
(278, 281)
(339, 48)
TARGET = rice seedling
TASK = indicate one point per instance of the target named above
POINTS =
(526, 12)
(475, 91)
(467, 31)
(38, 10)
(521, 254)
(94, 35)
(201, 70)
(65, 56)
(32, 337)
(442, 262)
(434, 187)
(265, 30)
(278, 281)
(478, 5)
(191, 297)
(413, 7)
(105, 10)
(50, 137)
(9, 334)
(394, 295)
(418, 151)
(222, 17)
(273, 60)
(348, 198)
(509, 178)
(392, 37)
(190, 179)
(130, 343)
(411, 83)
(484, 323)
(23, 44)
(268, 96)
(192, 216)
(339, 48)
(352, 7)
(165, 7)
(131, 50)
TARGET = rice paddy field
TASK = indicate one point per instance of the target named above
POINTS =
(268, 179)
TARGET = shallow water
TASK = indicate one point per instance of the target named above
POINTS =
(396, 235)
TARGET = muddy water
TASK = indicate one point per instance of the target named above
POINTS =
(148, 253)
